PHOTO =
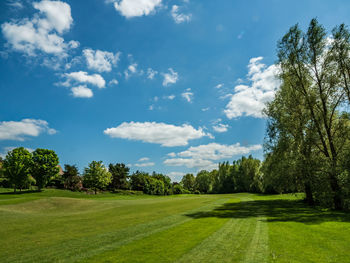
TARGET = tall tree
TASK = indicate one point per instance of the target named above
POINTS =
(309, 68)
(120, 174)
(17, 167)
(96, 176)
(188, 182)
(44, 166)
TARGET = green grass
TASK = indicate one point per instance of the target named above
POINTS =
(62, 226)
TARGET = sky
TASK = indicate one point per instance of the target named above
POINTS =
(160, 85)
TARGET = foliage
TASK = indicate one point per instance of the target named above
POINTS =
(44, 166)
(72, 179)
(188, 181)
(120, 175)
(17, 166)
(96, 176)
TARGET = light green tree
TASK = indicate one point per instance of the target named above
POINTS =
(96, 176)
(17, 167)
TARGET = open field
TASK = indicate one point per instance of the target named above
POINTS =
(61, 226)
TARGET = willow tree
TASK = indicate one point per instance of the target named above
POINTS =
(311, 71)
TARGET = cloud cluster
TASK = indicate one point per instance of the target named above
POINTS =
(203, 156)
(220, 127)
(43, 32)
(167, 135)
(20, 130)
(100, 60)
(249, 100)
(170, 78)
(135, 8)
(179, 17)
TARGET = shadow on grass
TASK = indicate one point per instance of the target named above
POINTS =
(275, 211)
(20, 192)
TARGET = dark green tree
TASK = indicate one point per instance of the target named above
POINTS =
(120, 174)
(44, 166)
(188, 181)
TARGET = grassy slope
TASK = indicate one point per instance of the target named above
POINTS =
(61, 226)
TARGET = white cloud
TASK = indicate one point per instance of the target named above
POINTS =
(176, 176)
(134, 8)
(219, 86)
(82, 92)
(206, 109)
(152, 132)
(113, 82)
(151, 73)
(132, 69)
(203, 156)
(170, 78)
(20, 130)
(187, 95)
(220, 127)
(199, 164)
(179, 17)
(84, 77)
(143, 159)
(170, 97)
(100, 60)
(43, 32)
(15, 4)
(144, 164)
(250, 100)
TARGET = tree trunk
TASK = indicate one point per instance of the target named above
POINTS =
(309, 198)
(14, 189)
(337, 200)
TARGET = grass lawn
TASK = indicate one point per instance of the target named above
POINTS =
(62, 226)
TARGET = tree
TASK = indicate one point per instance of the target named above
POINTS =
(44, 166)
(17, 167)
(203, 181)
(96, 176)
(138, 181)
(188, 181)
(120, 175)
(315, 70)
(71, 177)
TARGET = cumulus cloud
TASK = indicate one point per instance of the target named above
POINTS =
(167, 135)
(203, 156)
(83, 77)
(151, 73)
(144, 164)
(82, 92)
(43, 32)
(21, 130)
(179, 17)
(220, 85)
(134, 8)
(176, 176)
(170, 78)
(143, 159)
(249, 100)
(187, 95)
(220, 127)
(100, 60)
(132, 69)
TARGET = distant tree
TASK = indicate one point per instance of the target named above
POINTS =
(203, 181)
(120, 175)
(177, 188)
(188, 181)
(138, 181)
(17, 167)
(166, 181)
(96, 176)
(44, 166)
(72, 179)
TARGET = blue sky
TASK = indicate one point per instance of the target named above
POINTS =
(170, 86)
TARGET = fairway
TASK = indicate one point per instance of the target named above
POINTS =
(61, 226)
